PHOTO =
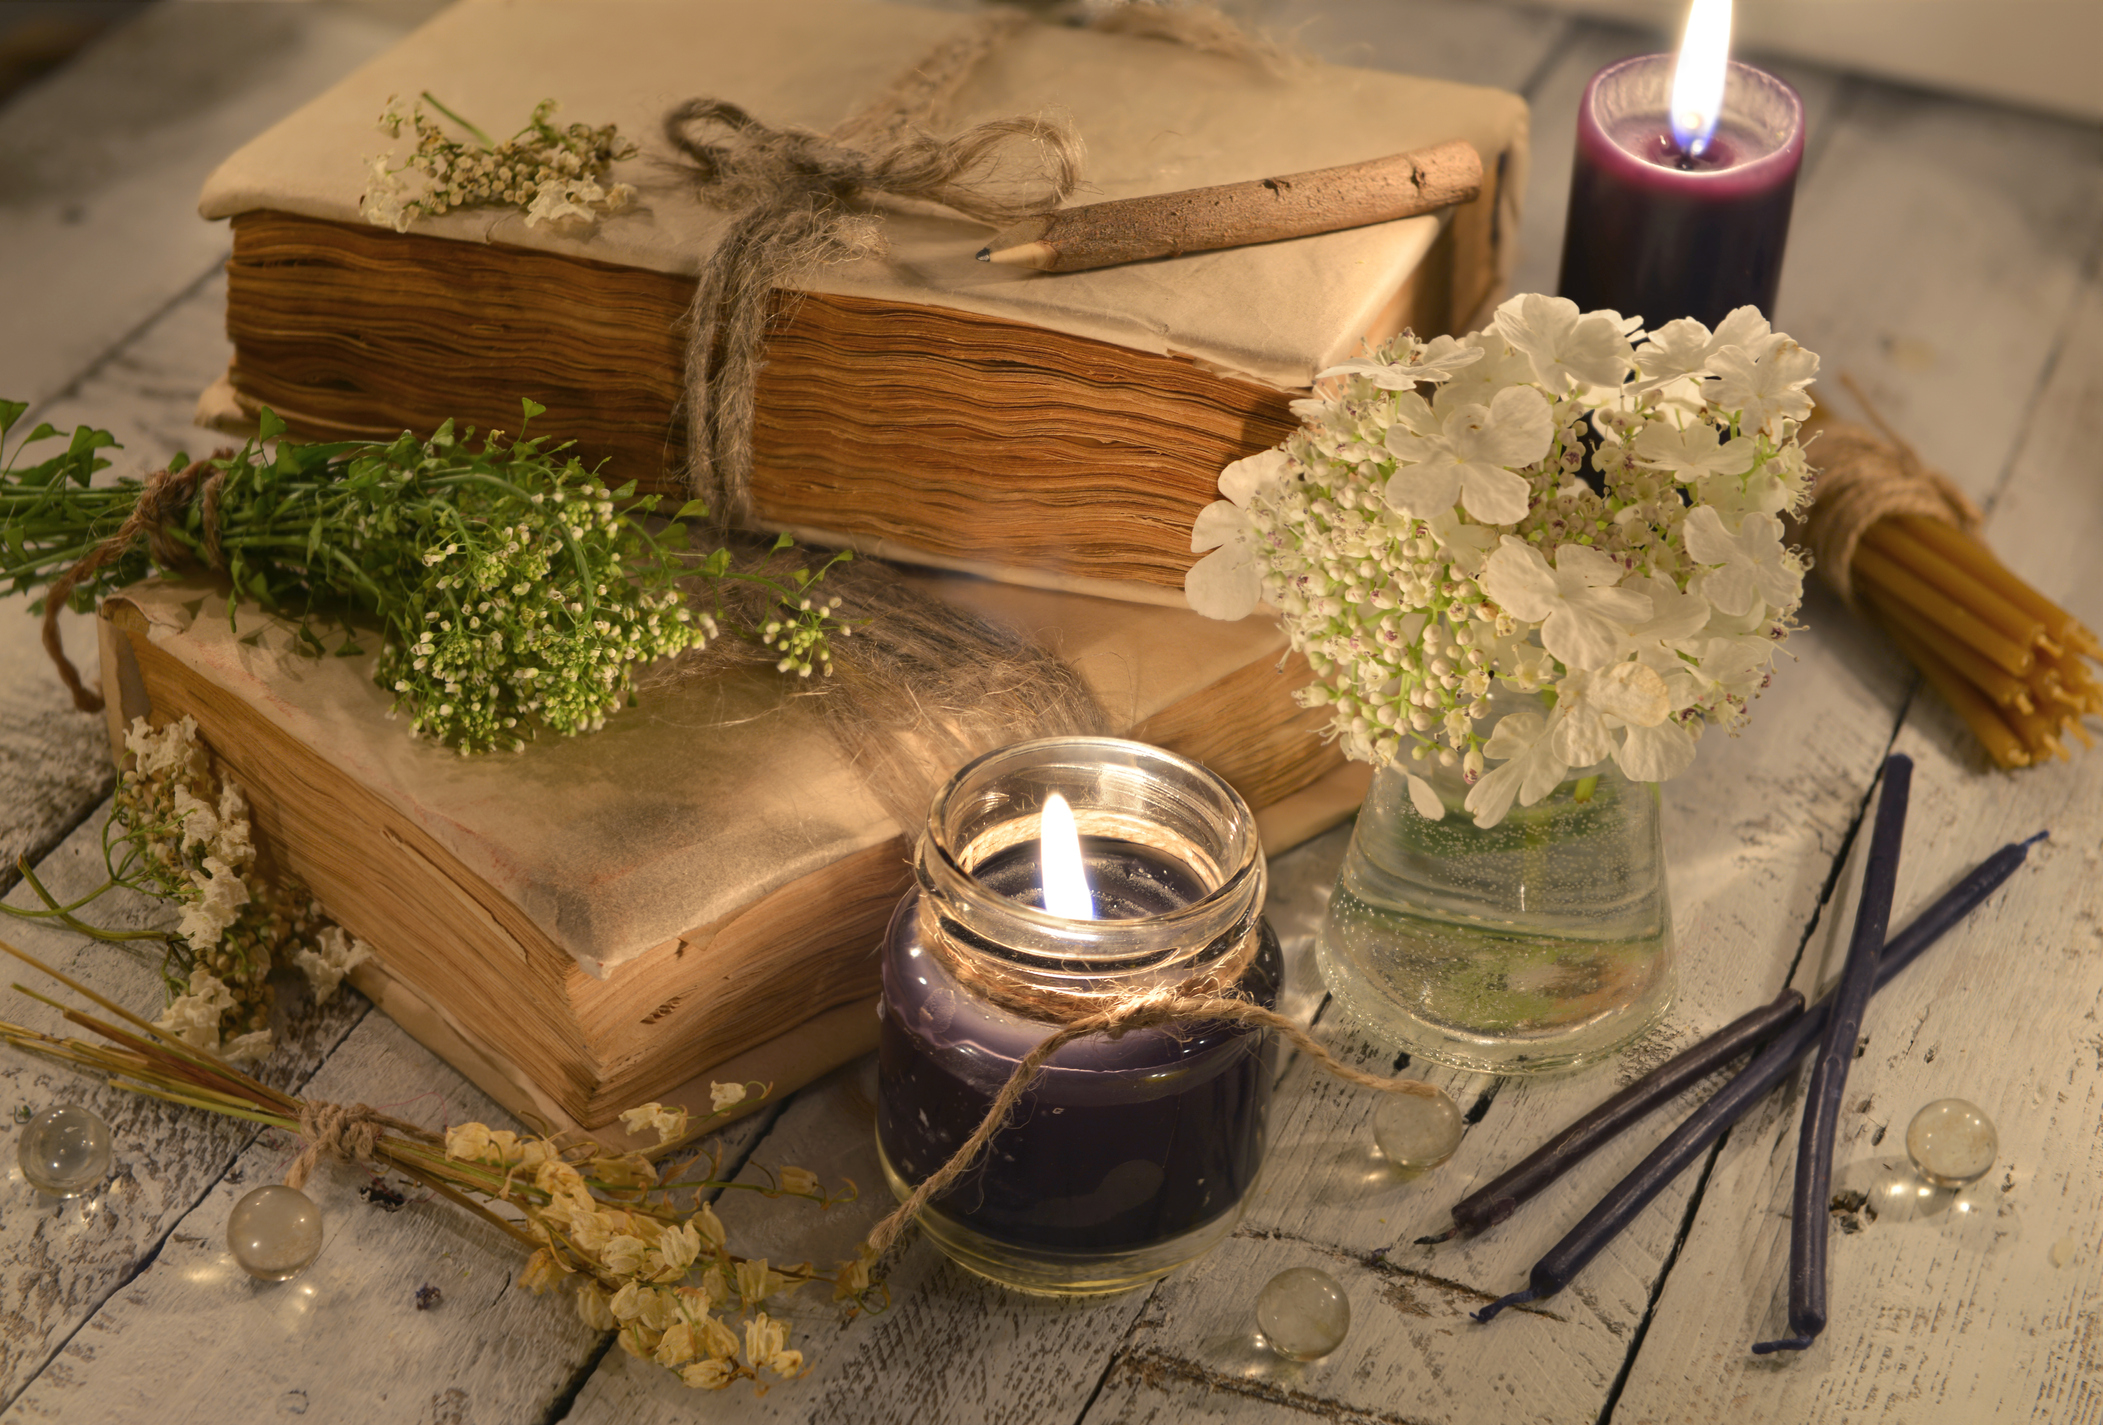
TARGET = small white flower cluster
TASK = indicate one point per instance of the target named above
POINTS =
(190, 840)
(1428, 535)
(512, 631)
(554, 175)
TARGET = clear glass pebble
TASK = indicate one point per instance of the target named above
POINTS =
(274, 1232)
(65, 1151)
(1952, 1142)
(1417, 1133)
(1303, 1313)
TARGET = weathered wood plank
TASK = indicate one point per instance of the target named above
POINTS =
(1986, 1305)
(100, 165)
(59, 1261)
(1943, 294)
(192, 1337)
(54, 759)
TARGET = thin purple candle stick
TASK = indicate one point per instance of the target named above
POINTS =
(1500, 1197)
(1769, 1067)
(1810, 1223)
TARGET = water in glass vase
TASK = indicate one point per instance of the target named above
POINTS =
(1542, 943)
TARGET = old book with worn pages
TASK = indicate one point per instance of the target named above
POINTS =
(1055, 429)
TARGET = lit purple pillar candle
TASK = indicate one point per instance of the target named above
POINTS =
(1128, 1156)
(1679, 206)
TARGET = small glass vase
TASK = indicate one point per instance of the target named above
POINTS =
(1542, 943)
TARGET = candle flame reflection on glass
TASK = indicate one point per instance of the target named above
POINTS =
(1059, 855)
(1697, 80)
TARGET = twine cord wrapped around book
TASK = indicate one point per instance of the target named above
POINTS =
(164, 500)
(347, 1133)
(794, 188)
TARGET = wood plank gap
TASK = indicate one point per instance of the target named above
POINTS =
(175, 1219)
(1701, 1186)
(37, 852)
(1110, 1361)
(72, 389)
(559, 1408)
(1657, 1288)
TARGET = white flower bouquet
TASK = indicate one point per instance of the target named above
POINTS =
(1429, 532)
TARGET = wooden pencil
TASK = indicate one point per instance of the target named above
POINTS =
(1240, 214)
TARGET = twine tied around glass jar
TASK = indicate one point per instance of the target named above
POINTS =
(1202, 999)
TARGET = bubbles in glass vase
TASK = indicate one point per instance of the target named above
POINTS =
(1303, 1313)
(65, 1151)
(274, 1232)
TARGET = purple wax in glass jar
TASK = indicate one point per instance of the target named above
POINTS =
(1654, 234)
(1121, 1144)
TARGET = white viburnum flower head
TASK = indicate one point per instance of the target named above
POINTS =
(1431, 536)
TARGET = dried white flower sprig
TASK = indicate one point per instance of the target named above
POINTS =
(179, 831)
(552, 175)
(1428, 531)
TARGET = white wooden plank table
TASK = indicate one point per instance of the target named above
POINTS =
(1945, 253)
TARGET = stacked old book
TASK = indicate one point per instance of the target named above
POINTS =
(695, 890)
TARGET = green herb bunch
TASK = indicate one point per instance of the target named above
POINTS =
(512, 588)
(551, 173)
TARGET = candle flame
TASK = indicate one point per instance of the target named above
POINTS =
(1059, 857)
(1697, 80)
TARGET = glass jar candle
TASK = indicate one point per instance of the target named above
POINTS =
(1128, 1155)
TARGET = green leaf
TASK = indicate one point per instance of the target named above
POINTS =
(348, 649)
(783, 541)
(268, 426)
(692, 509)
(533, 408)
(44, 431)
(10, 412)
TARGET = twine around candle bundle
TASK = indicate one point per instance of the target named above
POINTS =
(1863, 479)
(1150, 1009)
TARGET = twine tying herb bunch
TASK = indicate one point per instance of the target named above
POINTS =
(512, 588)
(633, 1236)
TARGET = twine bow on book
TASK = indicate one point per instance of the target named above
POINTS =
(793, 191)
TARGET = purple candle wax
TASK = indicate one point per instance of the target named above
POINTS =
(1121, 1145)
(1656, 234)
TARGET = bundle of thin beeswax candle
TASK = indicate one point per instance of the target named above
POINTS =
(1896, 540)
